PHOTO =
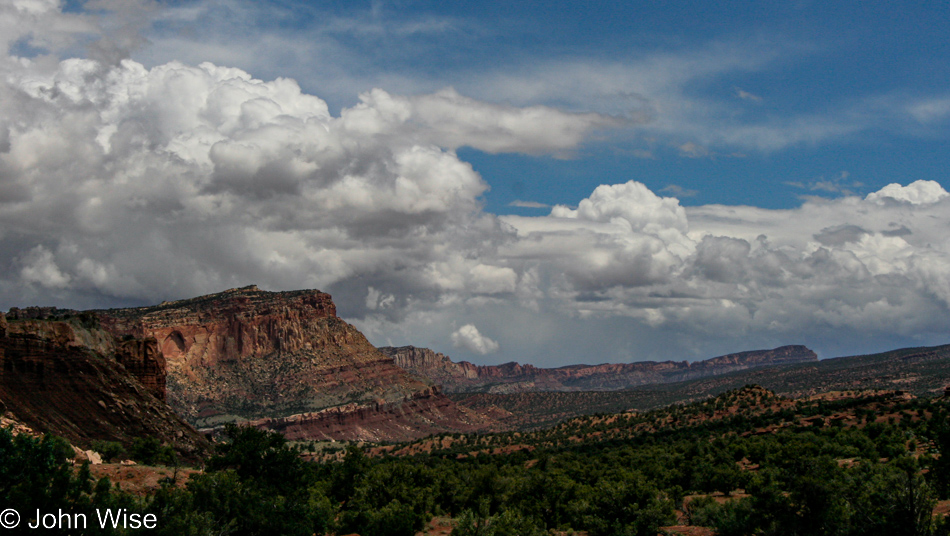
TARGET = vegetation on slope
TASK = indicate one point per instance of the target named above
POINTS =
(920, 371)
(746, 462)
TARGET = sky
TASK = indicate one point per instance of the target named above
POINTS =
(543, 182)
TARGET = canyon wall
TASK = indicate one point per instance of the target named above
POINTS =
(514, 377)
(249, 354)
(284, 361)
(70, 378)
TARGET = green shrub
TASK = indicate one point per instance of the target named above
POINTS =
(150, 451)
(109, 450)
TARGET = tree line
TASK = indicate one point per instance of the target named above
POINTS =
(879, 478)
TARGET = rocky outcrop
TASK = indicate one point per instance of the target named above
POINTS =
(283, 359)
(145, 362)
(72, 379)
(249, 354)
(514, 377)
(422, 414)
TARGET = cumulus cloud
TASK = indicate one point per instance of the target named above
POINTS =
(916, 193)
(674, 94)
(830, 272)
(121, 183)
(632, 205)
(40, 268)
(124, 184)
(717, 271)
(221, 178)
(469, 338)
(622, 234)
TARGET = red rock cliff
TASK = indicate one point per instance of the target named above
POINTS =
(513, 377)
(248, 353)
(145, 362)
(72, 379)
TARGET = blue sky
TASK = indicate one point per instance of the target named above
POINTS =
(830, 82)
(547, 182)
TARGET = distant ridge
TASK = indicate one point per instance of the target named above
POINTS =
(921, 371)
(513, 377)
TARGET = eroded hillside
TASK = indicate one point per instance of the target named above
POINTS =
(69, 377)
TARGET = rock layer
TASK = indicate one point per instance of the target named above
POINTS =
(285, 360)
(514, 377)
(422, 414)
(72, 379)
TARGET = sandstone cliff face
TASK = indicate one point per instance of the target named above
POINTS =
(514, 377)
(72, 379)
(249, 354)
(282, 358)
(75, 330)
(145, 362)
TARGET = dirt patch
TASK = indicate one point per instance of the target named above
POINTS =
(142, 479)
(438, 526)
(687, 530)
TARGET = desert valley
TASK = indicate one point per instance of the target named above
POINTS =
(321, 412)
(524, 268)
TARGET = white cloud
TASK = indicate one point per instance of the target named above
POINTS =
(450, 120)
(39, 267)
(717, 271)
(657, 92)
(654, 92)
(916, 193)
(930, 110)
(125, 184)
(673, 95)
(493, 279)
(745, 95)
(42, 25)
(377, 300)
(469, 338)
(226, 177)
(149, 184)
